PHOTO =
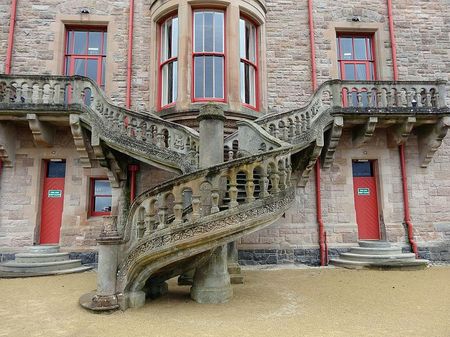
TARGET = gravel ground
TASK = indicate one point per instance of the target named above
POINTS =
(272, 302)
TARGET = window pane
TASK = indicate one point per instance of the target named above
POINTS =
(362, 169)
(103, 70)
(198, 27)
(95, 43)
(105, 44)
(92, 68)
(209, 31)
(360, 48)
(369, 48)
(372, 71)
(67, 65)
(56, 169)
(349, 72)
(218, 77)
(80, 42)
(242, 38)
(102, 204)
(199, 76)
(174, 37)
(346, 48)
(243, 88)
(169, 83)
(102, 187)
(252, 87)
(209, 76)
(69, 42)
(79, 67)
(218, 32)
(361, 73)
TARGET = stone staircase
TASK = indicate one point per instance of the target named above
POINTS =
(40, 261)
(378, 255)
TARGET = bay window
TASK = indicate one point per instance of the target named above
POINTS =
(209, 55)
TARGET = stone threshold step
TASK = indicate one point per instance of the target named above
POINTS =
(374, 243)
(4, 274)
(44, 267)
(375, 251)
(377, 258)
(37, 257)
(392, 265)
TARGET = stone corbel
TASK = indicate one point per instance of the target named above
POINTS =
(312, 155)
(43, 134)
(80, 140)
(7, 144)
(97, 148)
(332, 142)
(400, 133)
(363, 135)
(430, 138)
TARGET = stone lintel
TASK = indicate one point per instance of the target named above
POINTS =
(313, 153)
(43, 133)
(364, 134)
(332, 142)
(79, 138)
(430, 138)
(7, 143)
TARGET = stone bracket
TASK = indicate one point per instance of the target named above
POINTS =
(107, 159)
(43, 134)
(332, 142)
(430, 138)
(7, 144)
(311, 156)
(363, 135)
(80, 140)
(399, 134)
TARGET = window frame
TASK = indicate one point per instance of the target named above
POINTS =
(161, 64)
(341, 62)
(70, 56)
(223, 55)
(254, 65)
(92, 196)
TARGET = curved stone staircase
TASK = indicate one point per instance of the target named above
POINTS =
(157, 238)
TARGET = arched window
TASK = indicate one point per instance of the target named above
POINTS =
(168, 61)
(248, 66)
(209, 55)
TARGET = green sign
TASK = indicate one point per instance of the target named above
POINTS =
(363, 191)
(54, 193)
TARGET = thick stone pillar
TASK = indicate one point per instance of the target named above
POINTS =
(234, 269)
(211, 283)
(108, 243)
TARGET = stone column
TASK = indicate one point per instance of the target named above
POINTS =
(234, 269)
(211, 283)
(108, 243)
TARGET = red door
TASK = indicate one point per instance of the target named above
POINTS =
(366, 200)
(52, 201)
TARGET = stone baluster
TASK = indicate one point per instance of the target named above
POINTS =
(441, 94)
(409, 98)
(303, 122)
(428, 99)
(178, 205)
(298, 126)
(39, 94)
(359, 96)
(233, 190)
(263, 184)
(160, 140)
(196, 207)
(215, 201)
(282, 175)
(291, 131)
(249, 186)
(288, 170)
(275, 180)
(276, 132)
(381, 98)
(308, 120)
(162, 211)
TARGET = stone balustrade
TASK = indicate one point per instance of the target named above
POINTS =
(80, 93)
(206, 192)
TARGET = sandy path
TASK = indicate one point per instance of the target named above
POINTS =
(286, 302)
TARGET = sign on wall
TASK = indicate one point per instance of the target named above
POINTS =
(54, 193)
(363, 191)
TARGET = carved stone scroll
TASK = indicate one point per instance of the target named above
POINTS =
(430, 138)
(80, 140)
(43, 134)
(7, 144)
(362, 136)
(332, 142)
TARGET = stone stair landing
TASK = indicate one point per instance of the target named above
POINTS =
(378, 255)
(40, 261)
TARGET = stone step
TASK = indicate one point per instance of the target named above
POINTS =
(387, 265)
(5, 274)
(39, 258)
(236, 279)
(42, 267)
(44, 249)
(377, 258)
(375, 251)
(374, 244)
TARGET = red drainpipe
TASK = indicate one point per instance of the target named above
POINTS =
(130, 54)
(12, 23)
(393, 43)
(323, 253)
(401, 148)
(133, 169)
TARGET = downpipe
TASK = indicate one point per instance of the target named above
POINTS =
(12, 24)
(406, 201)
(322, 234)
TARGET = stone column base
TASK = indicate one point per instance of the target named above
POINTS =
(211, 280)
(94, 302)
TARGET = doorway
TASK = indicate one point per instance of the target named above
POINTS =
(52, 201)
(366, 199)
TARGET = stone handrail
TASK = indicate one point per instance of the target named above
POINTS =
(82, 94)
